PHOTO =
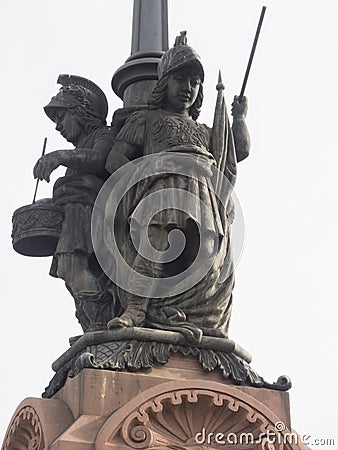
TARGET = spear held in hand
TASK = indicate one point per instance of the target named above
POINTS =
(253, 49)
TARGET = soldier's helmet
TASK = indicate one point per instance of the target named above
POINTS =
(78, 91)
(178, 56)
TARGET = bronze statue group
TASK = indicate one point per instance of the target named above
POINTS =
(164, 129)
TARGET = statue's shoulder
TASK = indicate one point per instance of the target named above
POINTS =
(140, 117)
(123, 115)
(105, 131)
(102, 133)
(133, 126)
(206, 127)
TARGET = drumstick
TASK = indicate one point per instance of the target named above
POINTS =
(37, 181)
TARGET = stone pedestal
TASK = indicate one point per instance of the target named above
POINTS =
(176, 406)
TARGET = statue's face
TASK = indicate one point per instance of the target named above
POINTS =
(182, 90)
(68, 125)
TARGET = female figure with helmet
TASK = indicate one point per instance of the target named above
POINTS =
(168, 132)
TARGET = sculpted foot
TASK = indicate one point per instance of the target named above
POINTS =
(120, 322)
(132, 318)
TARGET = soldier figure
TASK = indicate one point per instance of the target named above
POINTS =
(79, 111)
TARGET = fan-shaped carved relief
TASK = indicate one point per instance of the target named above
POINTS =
(25, 431)
(36, 423)
(190, 418)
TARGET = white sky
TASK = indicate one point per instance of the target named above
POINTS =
(285, 310)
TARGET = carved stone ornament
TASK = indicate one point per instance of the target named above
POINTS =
(36, 423)
(135, 349)
(191, 418)
(25, 432)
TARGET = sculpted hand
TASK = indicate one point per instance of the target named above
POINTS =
(45, 166)
(239, 108)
